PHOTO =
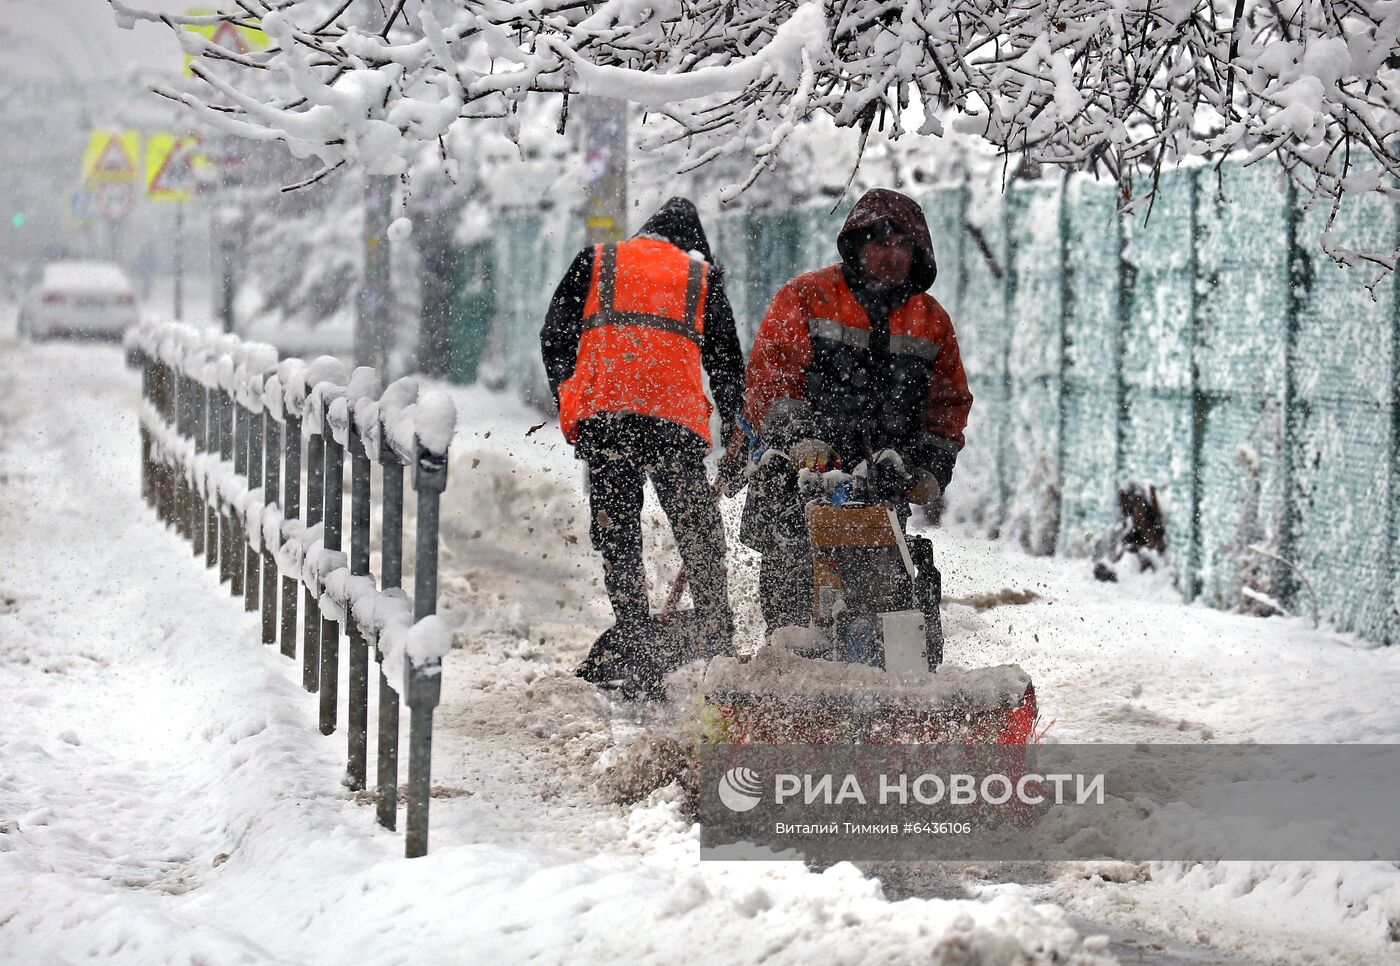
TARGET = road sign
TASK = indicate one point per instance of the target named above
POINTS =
(111, 156)
(82, 206)
(235, 39)
(172, 163)
(113, 199)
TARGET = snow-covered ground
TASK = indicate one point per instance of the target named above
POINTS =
(165, 795)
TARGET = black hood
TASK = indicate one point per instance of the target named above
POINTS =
(678, 222)
(882, 210)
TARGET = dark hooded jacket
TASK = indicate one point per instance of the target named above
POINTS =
(678, 223)
(881, 211)
(861, 395)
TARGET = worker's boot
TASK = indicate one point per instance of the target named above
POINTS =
(694, 635)
(619, 652)
(716, 627)
(618, 649)
(712, 633)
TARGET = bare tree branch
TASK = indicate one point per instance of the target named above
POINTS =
(1121, 88)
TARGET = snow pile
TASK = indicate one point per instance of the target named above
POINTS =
(397, 396)
(777, 673)
(430, 422)
(361, 393)
(325, 380)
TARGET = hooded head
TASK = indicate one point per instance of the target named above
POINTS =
(678, 222)
(881, 212)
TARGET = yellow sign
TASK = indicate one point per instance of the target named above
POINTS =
(172, 164)
(236, 40)
(111, 156)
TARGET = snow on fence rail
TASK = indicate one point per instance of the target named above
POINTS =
(222, 426)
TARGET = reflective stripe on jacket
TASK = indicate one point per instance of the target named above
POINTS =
(643, 325)
(815, 345)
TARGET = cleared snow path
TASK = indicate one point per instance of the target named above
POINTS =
(1112, 663)
(165, 796)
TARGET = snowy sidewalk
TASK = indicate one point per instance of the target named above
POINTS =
(165, 797)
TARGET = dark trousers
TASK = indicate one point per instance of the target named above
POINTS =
(617, 475)
(785, 587)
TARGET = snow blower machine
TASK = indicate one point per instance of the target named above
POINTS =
(867, 667)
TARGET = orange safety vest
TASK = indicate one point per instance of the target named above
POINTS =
(643, 324)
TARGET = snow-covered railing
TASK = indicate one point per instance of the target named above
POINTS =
(222, 427)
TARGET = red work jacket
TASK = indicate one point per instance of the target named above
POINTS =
(816, 318)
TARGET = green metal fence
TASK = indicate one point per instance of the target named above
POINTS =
(1209, 349)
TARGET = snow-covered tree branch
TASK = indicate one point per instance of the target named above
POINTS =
(1119, 87)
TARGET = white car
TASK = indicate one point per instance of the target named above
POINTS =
(79, 298)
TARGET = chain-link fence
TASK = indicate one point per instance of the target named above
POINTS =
(1207, 348)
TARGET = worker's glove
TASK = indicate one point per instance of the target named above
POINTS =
(937, 454)
(812, 454)
(773, 514)
(787, 422)
(925, 490)
(883, 478)
(733, 459)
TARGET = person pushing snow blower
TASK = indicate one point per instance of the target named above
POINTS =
(854, 363)
(628, 331)
(855, 366)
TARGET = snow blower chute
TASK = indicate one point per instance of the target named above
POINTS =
(868, 667)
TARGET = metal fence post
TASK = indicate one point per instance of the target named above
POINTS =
(211, 443)
(224, 405)
(1062, 393)
(176, 421)
(171, 400)
(163, 475)
(240, 467)
(147, 468)
(1005, 487)
(423, 685)
(272, 475)
(358, 697)
(194, 509)
(315, 507)
(255, 471)
(180, 410)
(291, 510)
(201, 445)
(158, 406)
(1200, 402)
(1127, 281)
(195, 401)
(190, 433)
(251, 557)
(391, 563)
(1297, 285)
(330, 629)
